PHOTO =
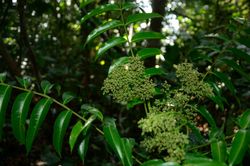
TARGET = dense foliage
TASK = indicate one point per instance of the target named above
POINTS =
(123, 89)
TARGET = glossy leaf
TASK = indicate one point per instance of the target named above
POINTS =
(224, 78)
(146, 35)
(19, 115)
(118, 62)
(219, 150)
(36, 119)
(202, 161)
(138, 17)
(83, 147)
(157, 162)
(120, 146)
(204, 112)
(67, 97)
(109, 44)
(78, 129)
(104, 27)
(93, 111)
(148, 52)
(236, 67)
(154, 71)
(60, 127)
(99, 10)
(46, 86)
(239, 146)
(5, 92)
(245, 120)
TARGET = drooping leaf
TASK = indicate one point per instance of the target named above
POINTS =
(148, 52)
(5, 92)
(116, 143)
(93, 111)
(138, 17)
(104, 27)
(109, 44)
(19, 115)
(219, 150)
(67, 97)
(154, 71)
(60, 127)
(245, 119)
(78, 129)
(239, 146)
(204, 112)
(240, 54)
(146, 35)
(118, 62)
(36, 119)
(236, 67)
(157, 162)
(99, 10)
(224, 78)
(46, 86)
(2, 77)
(83, 147)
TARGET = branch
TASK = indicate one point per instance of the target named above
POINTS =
(24, 37)
(14, 69)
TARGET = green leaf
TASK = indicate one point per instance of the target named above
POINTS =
(118, 62)
(146, 35)
(36, 119)
(19, 114)
(109, 44)
(154, 71)
(197, 132)
(99, 10)
(85, 3)
(219, 150)
(148, 52)
(60, 127)
(67, 97)
(46, 86)
(157, 162)
(24, 82)
(93, 111)
(236, 67)
(240, 54)
(2, 77)
(239, 147)
(135, 18)
(5, 92)
(129, 5)
(224, 78)
(104, 27)
(83, 147)
(202, 161)
(78, 129)
(245, 41)
(134, 102)
(218, 100)
(204, 112)
(120, 146)
(245, 119)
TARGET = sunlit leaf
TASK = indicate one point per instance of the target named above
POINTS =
(60, 127)
(99, 10)
(146, 35)
(138, 17)
(104, 27)
(5, 92)
(157, 162)
(109, 44)
(19, 115)
(148, 52)
(36, 119)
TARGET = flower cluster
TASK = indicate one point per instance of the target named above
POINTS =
(128, 81)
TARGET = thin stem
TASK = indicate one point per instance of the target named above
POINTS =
(55, 101)
(145, 107)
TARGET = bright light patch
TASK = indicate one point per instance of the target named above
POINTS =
(102, 62)
(157, 66)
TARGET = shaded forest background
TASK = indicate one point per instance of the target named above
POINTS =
(44, 39)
